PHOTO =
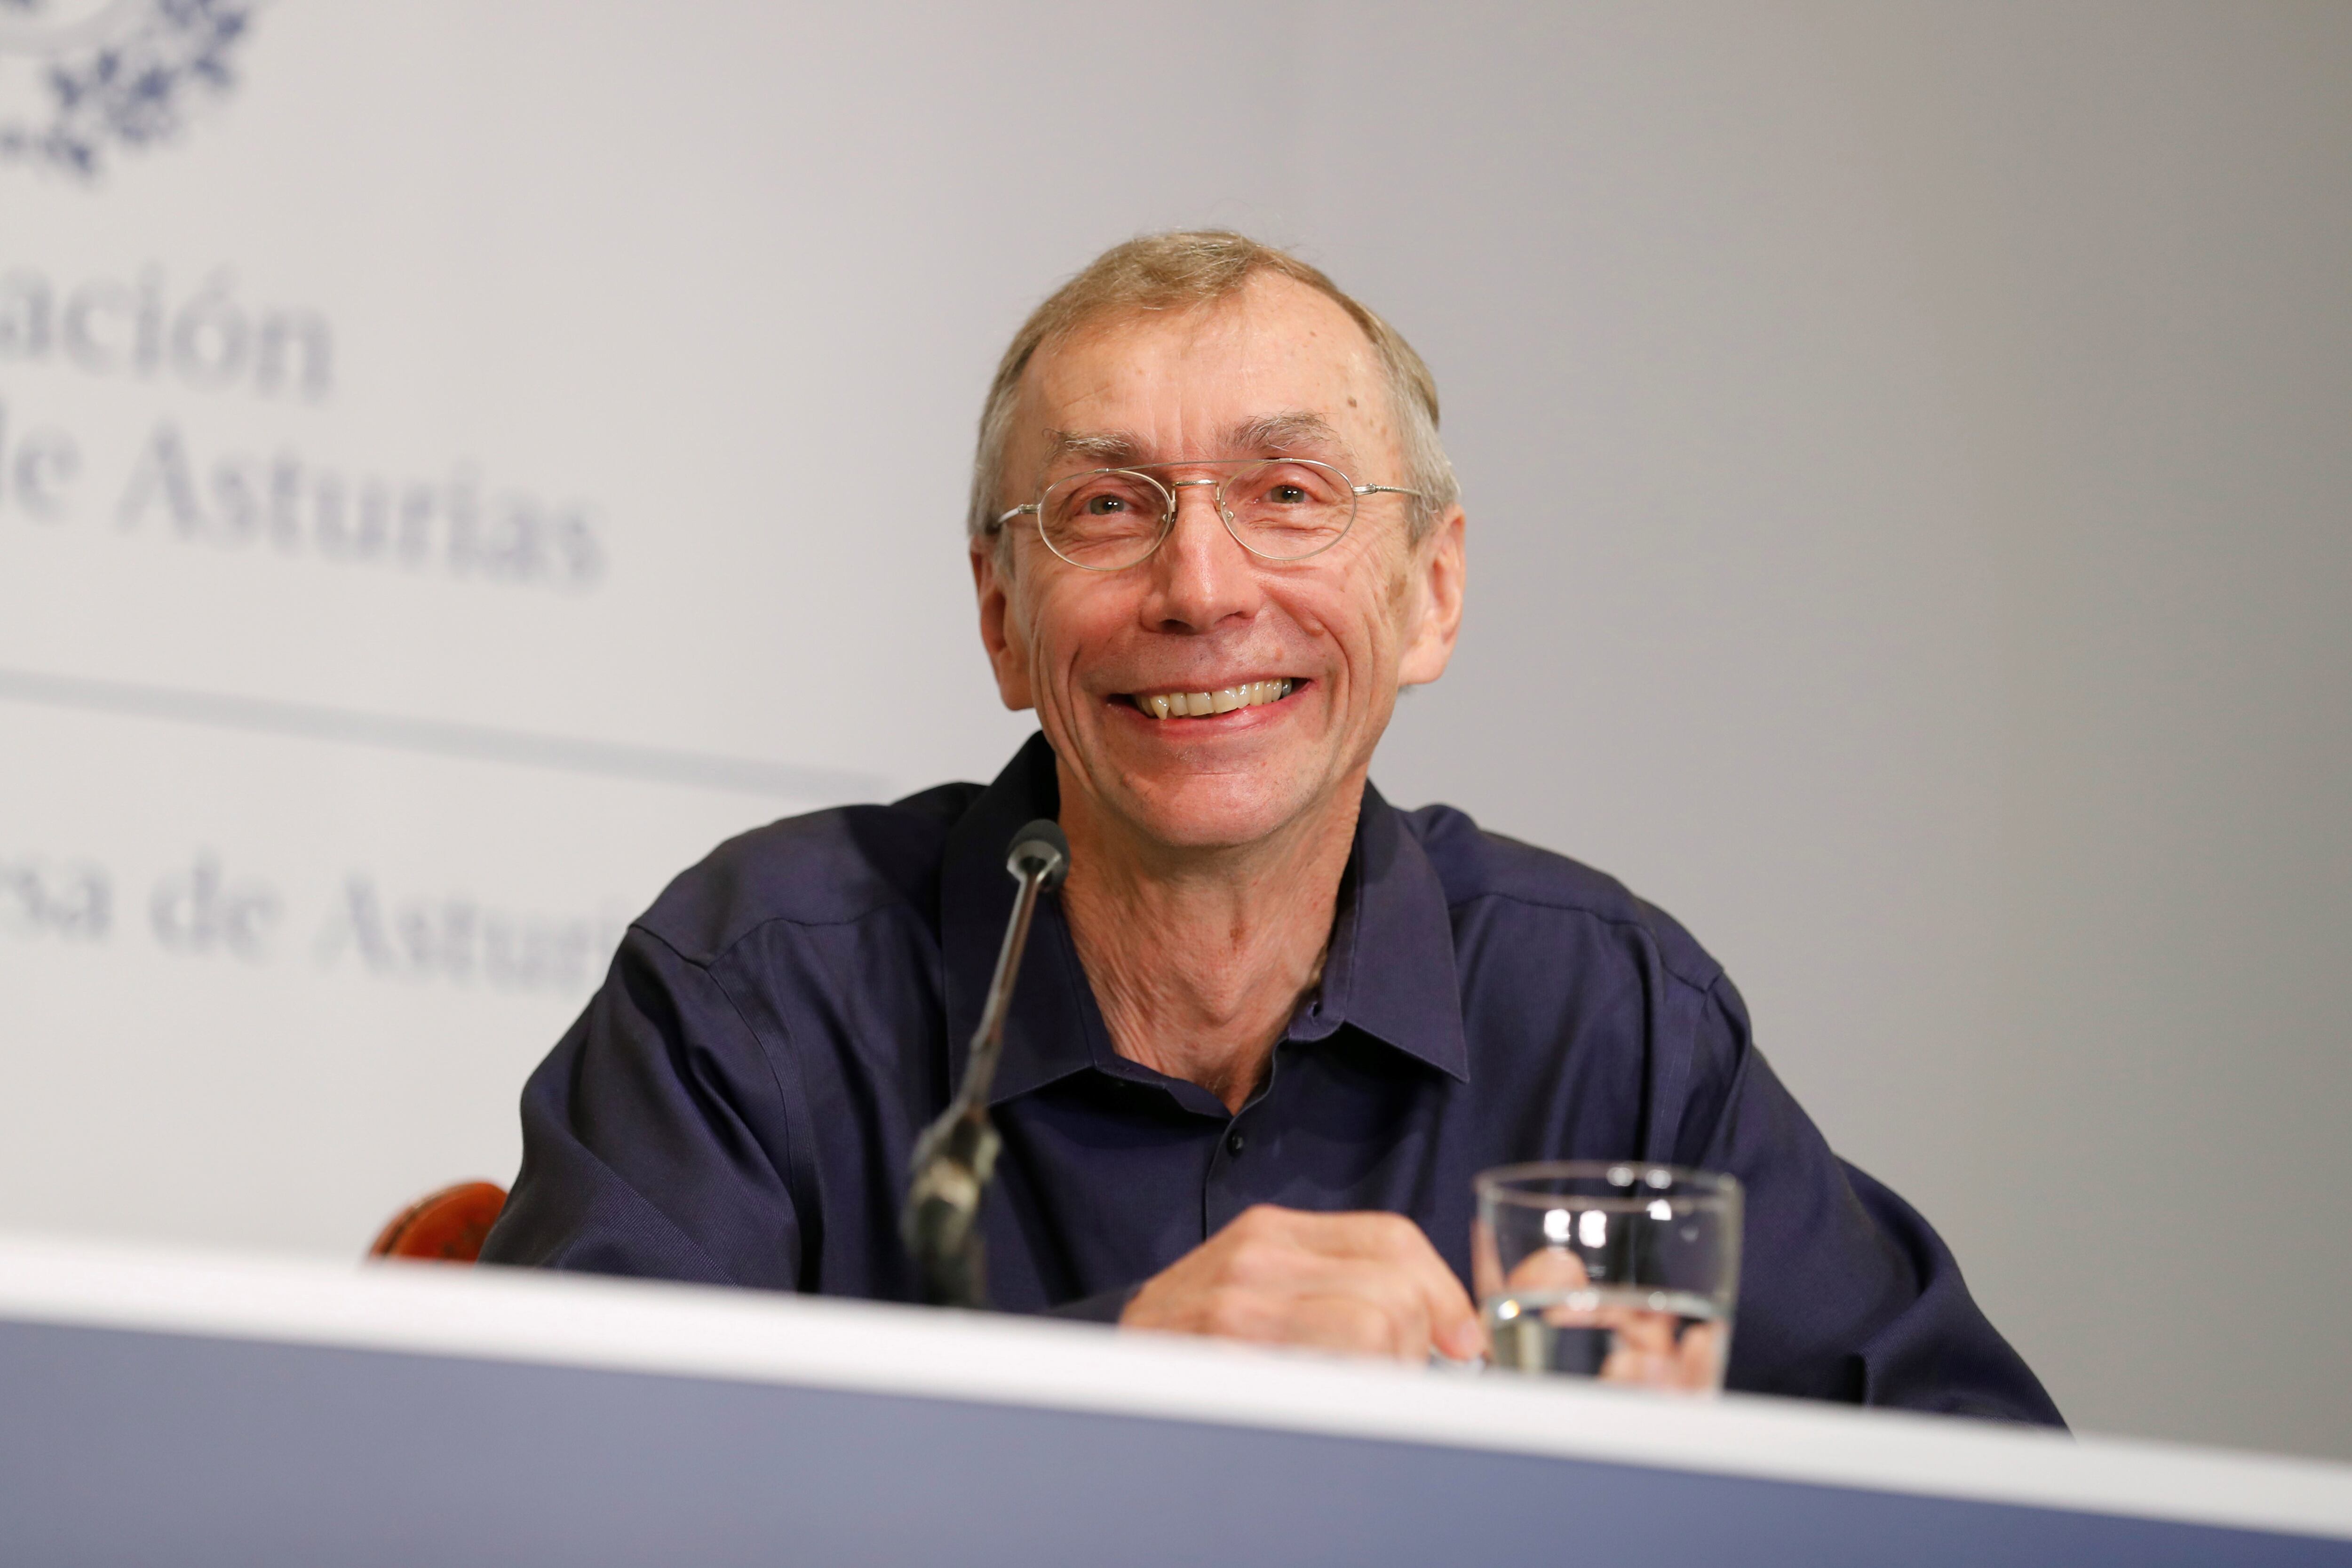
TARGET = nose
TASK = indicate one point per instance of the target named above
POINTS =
(1201, 576)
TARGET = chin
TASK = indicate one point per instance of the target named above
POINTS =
(1213, 811)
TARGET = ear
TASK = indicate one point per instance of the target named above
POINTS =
(1001, 632)
(1437, 571)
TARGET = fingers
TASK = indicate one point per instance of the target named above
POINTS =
(1350, 1324)
(1401, 1299)
(1486, 1260)
(1553, 1268)
(1372, 1284)
(1367, 1283)
(1390, 1241)
(1334, 1304)
(1346, 1323)
(1640, 1348)
(1698, 1360)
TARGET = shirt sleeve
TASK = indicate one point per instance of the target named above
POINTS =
(637, 1159)
(1846, 1291)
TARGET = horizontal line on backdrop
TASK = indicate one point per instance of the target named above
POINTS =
(436, 736)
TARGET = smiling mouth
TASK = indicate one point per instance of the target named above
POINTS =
(1209, 704)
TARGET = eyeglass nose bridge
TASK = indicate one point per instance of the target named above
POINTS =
(1216, 488)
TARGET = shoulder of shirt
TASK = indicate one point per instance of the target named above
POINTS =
(1474, 865)
(829, 868)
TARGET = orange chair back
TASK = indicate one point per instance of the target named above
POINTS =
(447, 1226)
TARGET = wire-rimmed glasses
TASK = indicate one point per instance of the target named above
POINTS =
(1281, 508)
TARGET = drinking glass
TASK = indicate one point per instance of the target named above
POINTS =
(1614, 1269)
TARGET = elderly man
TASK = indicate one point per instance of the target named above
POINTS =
(1272, 1023)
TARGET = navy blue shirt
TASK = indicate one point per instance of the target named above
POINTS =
(737, 1104)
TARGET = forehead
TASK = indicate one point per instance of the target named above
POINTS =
(1175, 380)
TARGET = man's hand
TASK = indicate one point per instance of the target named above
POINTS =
(1643, 1346)
(1367, 1283)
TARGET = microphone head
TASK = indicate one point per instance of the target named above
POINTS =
(1041, 848)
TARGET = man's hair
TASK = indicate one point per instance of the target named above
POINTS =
(1191, 270)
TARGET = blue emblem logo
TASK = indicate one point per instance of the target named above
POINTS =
(80, 79)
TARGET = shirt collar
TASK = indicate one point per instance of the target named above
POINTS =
(1390, 969)
(1390, 973)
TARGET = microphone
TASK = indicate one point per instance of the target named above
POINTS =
(956, 1155)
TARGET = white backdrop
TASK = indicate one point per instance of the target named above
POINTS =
(457, 461)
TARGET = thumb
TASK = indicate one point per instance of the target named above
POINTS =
(1464, 1338)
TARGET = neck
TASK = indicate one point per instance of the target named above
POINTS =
(1199, 958)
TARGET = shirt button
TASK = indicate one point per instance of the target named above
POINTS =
(1235, 1143)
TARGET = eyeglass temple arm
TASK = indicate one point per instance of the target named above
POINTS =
(1374, 491)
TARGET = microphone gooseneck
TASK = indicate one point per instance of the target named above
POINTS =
(956, 1155)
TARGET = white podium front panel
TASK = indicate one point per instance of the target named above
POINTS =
(192, 1411)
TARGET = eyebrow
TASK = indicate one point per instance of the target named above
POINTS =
(1111, 448)
(1275, 434)
(1268, 434)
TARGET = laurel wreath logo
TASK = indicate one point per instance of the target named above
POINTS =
(110, 75)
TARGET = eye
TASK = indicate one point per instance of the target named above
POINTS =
(1291, 486)
(1104, 505)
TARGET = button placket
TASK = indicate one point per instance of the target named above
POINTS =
(1225, 1192)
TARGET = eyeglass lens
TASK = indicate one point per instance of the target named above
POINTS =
(1284, 510)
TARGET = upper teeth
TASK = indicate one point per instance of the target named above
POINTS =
(1225, 699)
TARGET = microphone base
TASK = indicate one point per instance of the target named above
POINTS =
(940, 1223)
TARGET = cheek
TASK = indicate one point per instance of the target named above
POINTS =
(1364, 621)
(1400, 598)
(1068, 625)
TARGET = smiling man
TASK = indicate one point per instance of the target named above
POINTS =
(1272, 1025)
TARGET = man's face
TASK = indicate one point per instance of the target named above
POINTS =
(1280, 370)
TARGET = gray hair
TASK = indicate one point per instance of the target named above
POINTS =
(1191, 269)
